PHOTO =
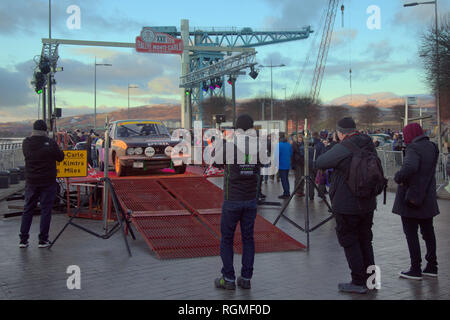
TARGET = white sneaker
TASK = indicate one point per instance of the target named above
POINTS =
(44, 244)
(23, 244)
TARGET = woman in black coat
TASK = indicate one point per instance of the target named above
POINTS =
(416, 199)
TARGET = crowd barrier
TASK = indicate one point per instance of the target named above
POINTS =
(11, 155)
(392, 162)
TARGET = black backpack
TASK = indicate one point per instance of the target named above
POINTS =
(365, 177)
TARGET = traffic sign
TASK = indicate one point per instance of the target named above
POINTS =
(412, 101)
(74, 164)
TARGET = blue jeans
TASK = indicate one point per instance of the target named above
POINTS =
(46, 196)
(232, 213)
(284, 176)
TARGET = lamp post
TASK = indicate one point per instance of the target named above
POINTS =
(271, 66)
(437, 93)
(285, 111)
(95, 88)
(130, 87)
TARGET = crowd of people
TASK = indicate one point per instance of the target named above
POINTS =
(347, 162)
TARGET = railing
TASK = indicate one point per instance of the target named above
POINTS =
(11, 155)
(392, 162)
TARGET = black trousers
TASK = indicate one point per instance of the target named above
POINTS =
(354, 233)
(410, 228)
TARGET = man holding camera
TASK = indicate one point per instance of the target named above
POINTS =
(41, 154)
(354, 215)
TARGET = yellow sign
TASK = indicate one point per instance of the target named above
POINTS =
(74, 164)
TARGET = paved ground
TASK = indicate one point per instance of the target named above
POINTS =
(108, 273)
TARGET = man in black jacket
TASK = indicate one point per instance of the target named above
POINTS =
(41, 154)
(354, 216)
(240, 191)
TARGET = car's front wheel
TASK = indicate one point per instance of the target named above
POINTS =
(120, 169)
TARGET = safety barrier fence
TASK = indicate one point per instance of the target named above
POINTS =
(11, 155)
(392, 162)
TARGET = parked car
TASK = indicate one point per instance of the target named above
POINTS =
(382, 138)
(140, 145)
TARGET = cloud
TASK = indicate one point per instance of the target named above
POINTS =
(31, 17)
(294, 13)
(15, 87)
(418, 16)
(163, 85)
(126, 68)
(379, 51)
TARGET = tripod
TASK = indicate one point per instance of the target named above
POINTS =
(122, 218)
(308, 183)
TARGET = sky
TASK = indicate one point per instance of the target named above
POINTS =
(382, 53)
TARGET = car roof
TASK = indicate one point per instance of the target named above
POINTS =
(137, 121)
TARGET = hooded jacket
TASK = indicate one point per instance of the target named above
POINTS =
(339, 159)
(41, 154)
(418, 175)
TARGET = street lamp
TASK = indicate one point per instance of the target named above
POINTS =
(95, 88)
(130, 87)
(285, 111)
(437, 93)
(271, 66)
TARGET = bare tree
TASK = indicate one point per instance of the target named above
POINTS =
(368, 115)
(213, 106)
(334, 114)
(427, 51)
(398, 111)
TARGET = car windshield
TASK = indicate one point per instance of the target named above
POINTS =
(135, 129)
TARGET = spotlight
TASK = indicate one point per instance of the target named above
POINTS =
(205, 86)
(218, 83)
(44, 65)
(253, 73)
(212, 85)
(230, 80)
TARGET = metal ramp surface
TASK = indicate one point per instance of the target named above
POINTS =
(169, 229)
(180, 218)
(205, 199)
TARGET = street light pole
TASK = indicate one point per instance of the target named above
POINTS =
(95, 88)
(130, 87)
(437, 93)
(271, 85)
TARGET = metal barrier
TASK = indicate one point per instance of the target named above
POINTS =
(11, 155)
(392, 162)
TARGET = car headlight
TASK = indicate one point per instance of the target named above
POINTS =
(130, 151)
(168, 151)
(149, 152)
(138, 151)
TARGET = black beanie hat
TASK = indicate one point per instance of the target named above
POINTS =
(40, 125)
(244, 122)
(346, 125)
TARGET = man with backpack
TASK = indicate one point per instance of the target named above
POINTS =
(356, 181)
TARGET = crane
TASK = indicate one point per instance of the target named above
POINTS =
(323, 49)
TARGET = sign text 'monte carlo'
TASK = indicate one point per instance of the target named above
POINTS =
(74, 164)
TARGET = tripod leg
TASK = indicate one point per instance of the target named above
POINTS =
(119, 216)
(287, 202)
(64, 228)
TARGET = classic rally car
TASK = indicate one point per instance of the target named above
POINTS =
(140, 145)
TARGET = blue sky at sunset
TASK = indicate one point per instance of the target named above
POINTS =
(382, 61)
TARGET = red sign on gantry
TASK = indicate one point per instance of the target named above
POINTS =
(157, 42)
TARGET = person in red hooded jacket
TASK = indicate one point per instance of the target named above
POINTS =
(416, 199)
